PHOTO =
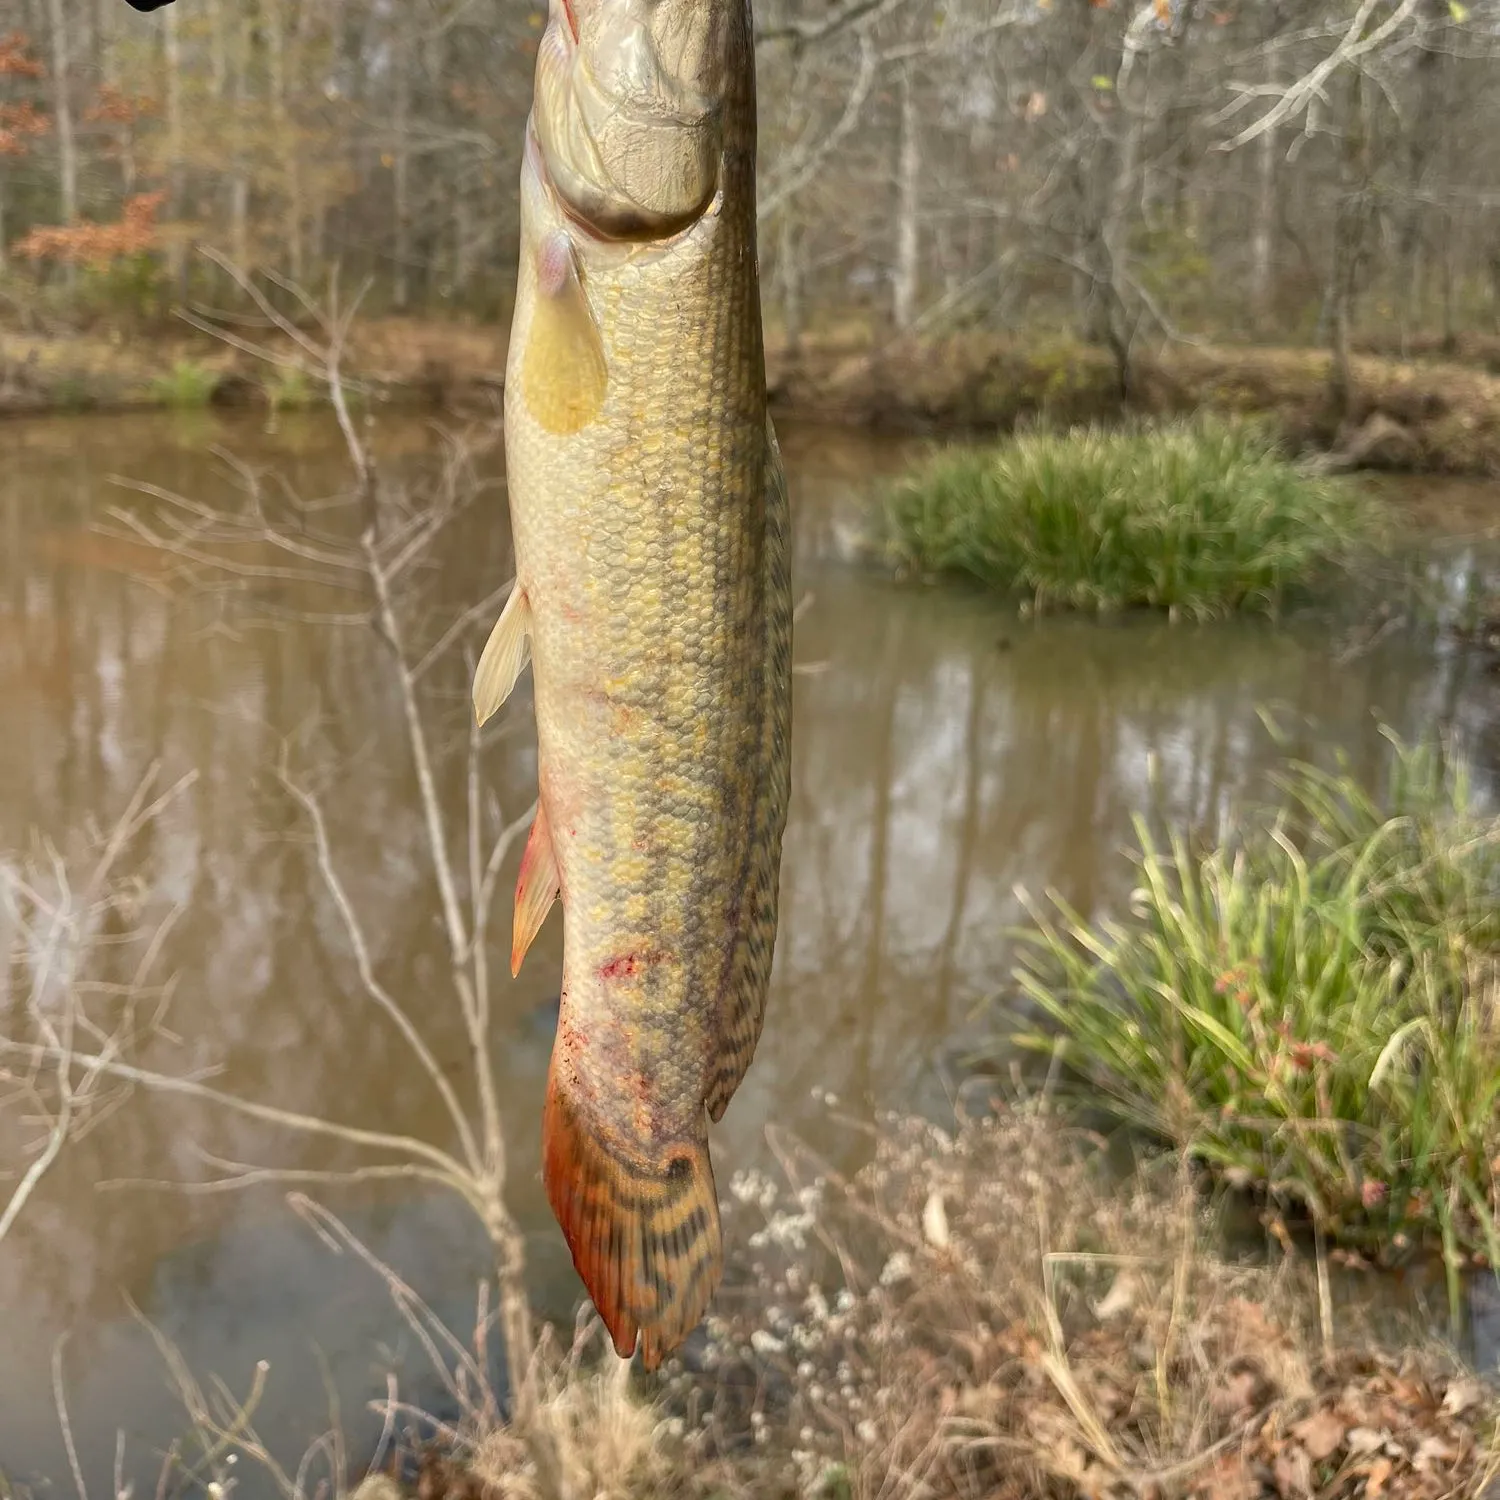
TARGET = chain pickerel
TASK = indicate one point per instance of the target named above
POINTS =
(653, 603)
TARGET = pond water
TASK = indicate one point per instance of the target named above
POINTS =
(944, 752)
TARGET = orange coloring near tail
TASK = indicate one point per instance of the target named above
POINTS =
(644, 1232)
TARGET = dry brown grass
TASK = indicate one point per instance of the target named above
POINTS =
(980, 1313)
(605, 1440)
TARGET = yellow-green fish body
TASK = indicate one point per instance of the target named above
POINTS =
(653, 594)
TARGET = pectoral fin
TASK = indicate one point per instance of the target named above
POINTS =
(563, 374)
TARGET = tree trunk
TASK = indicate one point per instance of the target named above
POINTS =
(401, 171)
(909, 167)
(1263, 235)
(62, 110)
(1421, 147)
(1348, 246)
(463, 244)
(177, 256)
(789, 279)
(286, 142)
(1114, 304)
(1450, 251)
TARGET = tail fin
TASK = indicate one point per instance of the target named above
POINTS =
(645, 1236)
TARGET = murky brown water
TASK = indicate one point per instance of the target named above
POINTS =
(943, 752)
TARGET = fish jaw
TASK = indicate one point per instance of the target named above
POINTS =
(627, 111)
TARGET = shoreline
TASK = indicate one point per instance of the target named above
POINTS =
(1417, 417)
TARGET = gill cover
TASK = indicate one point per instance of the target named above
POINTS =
(627, 111)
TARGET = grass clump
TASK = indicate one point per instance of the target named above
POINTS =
(188, 387)
(289, 389)
(1203, 517)
(1311, 1009)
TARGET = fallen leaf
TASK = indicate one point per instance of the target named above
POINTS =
(1237, 1393)
(1410, 1394)
(1432, 1450)
(1462, 1396)
(1293, 1473)
(1363, 1440)
(1375, 1480)
(935, 1222)
(1120, 1297)
(1321, 1434)
(1230, 1479)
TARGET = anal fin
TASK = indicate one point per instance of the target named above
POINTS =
(644, 1233)
(504, 656)
(537, 887)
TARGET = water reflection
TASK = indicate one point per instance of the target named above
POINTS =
(943, 753)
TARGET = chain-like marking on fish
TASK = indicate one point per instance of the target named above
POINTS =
(653, 601)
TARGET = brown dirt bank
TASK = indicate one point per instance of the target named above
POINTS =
(1417, 416)
(1423, 416)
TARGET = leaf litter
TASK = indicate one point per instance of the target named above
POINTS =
(983, 1313)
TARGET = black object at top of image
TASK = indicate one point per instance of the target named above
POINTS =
(147, 4)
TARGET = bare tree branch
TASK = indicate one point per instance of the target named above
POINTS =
(1296, 97)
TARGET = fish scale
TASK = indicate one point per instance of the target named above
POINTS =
(653, 601)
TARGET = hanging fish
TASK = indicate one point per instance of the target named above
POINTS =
(653, 601)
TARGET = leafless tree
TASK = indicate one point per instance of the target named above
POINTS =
(1122, 169)
(368, 548)
(78, 984)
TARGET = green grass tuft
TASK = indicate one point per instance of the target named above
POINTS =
(189, 386)
(1203, 517)
(289, 389)
(1312, 1009)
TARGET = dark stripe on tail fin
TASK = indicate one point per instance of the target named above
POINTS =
(644, 1236)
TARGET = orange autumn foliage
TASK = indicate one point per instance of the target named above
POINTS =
(14, 62)
(97, 244)
(115, 107)
(18, 122)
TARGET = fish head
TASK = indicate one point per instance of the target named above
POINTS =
(628, 111)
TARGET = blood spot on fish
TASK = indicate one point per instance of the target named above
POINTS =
(628, 964)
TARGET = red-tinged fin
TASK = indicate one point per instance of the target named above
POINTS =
(644, 1235)
(504, 656)
(537, 887)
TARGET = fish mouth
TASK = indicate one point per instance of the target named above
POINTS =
(627, 113)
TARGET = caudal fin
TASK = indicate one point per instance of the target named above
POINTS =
(644, 1235)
